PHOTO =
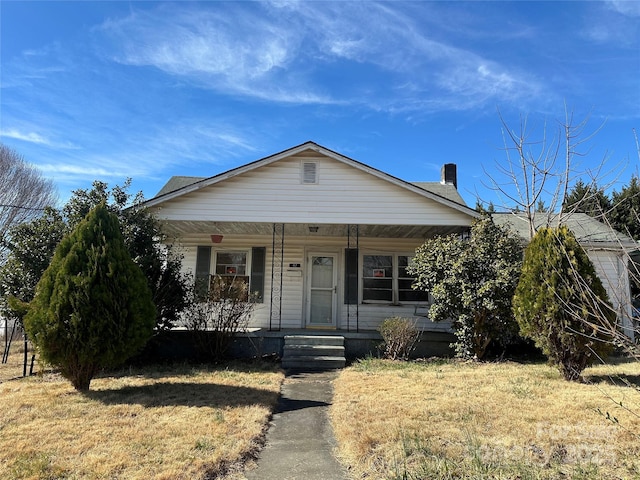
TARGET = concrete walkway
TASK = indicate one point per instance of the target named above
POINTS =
(300, 441)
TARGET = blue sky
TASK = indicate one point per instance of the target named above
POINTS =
(110, 90)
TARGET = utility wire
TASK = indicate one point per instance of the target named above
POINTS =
(6, 205)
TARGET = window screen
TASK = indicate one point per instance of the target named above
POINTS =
(377, 277)
(405, 281)
(231, 278)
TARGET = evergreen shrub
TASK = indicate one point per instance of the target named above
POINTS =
(93, 306)
(561, 304)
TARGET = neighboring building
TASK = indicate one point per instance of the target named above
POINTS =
(322, 239)
(609, 250)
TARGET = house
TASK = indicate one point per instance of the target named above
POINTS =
(610, 251)
(323, 242)
(321, 239)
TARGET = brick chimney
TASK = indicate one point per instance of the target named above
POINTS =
(449, 175)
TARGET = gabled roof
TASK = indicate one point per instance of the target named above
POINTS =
(445, 190)
(177, 182)
(588, 231)
(182, 185)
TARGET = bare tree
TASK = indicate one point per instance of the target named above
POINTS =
(538, 172)
(544, 169)
(530, 166)
(24, 192)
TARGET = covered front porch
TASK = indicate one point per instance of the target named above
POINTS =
(324, 277)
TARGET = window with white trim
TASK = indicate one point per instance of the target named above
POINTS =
(385, 280)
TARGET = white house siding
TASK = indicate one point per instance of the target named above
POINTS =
(294, 296)
(343, 195)
(614, 274)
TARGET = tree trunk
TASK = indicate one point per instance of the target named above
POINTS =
(80, 376)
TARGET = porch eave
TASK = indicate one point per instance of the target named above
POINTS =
(181, 228)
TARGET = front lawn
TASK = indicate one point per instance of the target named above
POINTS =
(144, 423)
(14, 367)
(453, 420)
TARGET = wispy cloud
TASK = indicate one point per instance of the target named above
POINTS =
(279, 52)
(235, 51)
(629, 8)
(74, 171)
(118, 100)
(614, 22)
(26, 137)
(33, 137)
(441, 76)
(204, 143)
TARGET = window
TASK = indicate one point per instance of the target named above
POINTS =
(232, 269)
(230, 279)
(405, 281)
(377, 278)
(231, 263)
(385, 279)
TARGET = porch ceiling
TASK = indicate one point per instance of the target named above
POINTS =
(180, 228)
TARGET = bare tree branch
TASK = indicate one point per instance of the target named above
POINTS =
(533, 181)
(24, 193)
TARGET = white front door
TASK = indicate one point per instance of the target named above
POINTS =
(322, 291)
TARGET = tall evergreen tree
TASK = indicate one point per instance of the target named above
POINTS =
(625, 212)
(144, 237)
(92, 306)
(589, 199)
(31, 246)
(560, 302)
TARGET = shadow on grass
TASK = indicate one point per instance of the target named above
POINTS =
(617, 379)
(168, 394)
(162, 370)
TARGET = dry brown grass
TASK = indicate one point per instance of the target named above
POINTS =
(471, 420)
(151, 423)
(15, 363)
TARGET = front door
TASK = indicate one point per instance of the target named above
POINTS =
(322, 292)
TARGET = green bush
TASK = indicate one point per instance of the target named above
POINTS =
(30, 247)
(400, 336)
(471, 283)
(93, 306)
(560, 303)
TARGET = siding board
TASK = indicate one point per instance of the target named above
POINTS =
(343, 194)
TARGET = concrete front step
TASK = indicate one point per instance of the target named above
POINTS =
(313, 340)
(313, 352)
(313, 362)
(317, 350)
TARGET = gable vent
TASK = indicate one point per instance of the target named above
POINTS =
(309, 172)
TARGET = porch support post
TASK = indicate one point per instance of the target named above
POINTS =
(353, 241)
(277, 268)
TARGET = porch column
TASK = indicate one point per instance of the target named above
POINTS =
(352, 274)
(277, 268)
